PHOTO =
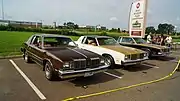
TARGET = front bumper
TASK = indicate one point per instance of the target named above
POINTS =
(133, 62)
(82, 73)
(162, 54)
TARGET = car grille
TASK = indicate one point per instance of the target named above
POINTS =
(83, 63)
(94, 62)
(165, 50)
(137, 56)
(79, 63)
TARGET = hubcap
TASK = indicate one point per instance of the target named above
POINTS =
(26, 57)
(47, 71)
(108, 61)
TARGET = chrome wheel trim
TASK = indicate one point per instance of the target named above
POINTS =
(108, 61)
(26, 57)
(47, 71)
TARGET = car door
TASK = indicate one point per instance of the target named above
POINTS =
(91, 44)
(37, 52)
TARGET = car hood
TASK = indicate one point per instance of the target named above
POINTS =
(123, 49)
(153, 46)
(69, 53)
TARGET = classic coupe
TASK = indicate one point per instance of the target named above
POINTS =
(60, 57)
(139, 43)
(111, 50)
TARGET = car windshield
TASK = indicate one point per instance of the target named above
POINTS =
(140, 40)
(107, 41)
(58, 42)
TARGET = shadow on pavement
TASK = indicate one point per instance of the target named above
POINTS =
(96, 79)
(164, 58)
(136, 68)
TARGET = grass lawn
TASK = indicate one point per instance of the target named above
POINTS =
(10, 42)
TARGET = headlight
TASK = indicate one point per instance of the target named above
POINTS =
(66, 65)
(159, 53)
(145, 54)
(127, 57)
(102, 61)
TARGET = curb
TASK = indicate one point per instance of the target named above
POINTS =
(10, 57)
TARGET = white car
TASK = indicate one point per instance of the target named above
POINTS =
(113, 52)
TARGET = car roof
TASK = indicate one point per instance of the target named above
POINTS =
(97, 36)
(51, 35)
(128, 37)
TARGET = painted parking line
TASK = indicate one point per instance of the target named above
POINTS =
(38, 92)
(150, 66)
(119, 77)
(176, 61)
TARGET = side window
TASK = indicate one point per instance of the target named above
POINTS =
(37, 41)
(91, 41)
(30, 39)
(119, 39)
(127, 40)
(83, 40)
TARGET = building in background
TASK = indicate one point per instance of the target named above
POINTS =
(24, 24)
(98, 27)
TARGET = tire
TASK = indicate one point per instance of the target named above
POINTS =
(27, 58)
(49, 71)
(109, 61)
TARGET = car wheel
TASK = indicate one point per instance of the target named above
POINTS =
(27, 58)
(148, 52)
(109, 61)
(49, 71)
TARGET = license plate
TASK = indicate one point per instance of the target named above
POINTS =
(88, 74)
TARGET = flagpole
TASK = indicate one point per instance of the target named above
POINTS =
(129, 18)
(2, 10)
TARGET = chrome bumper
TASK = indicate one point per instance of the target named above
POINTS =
(163, 54)
(82, 73)
(133, 62)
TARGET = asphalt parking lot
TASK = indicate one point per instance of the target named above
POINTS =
(13, 86)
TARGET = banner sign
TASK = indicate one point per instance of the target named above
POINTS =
(137, 18)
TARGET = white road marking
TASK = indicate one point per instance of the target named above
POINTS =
(174, 61)
(150, 66)
(29, 81)
(119, 77)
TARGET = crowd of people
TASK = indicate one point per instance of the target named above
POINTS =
(159, 40)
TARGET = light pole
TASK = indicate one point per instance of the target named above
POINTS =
(2, 10)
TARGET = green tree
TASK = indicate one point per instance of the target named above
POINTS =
(150, 29)
(165, 28)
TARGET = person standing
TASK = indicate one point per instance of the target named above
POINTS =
(169, 40)
(149, 39)
(162, 40)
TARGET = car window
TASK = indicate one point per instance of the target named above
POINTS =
(83, 40)
(139, 40)
(119, 39)
(127, 40)
(58, 42)
(107, 41)
(37, 41)
(30, 39)
(91, 41)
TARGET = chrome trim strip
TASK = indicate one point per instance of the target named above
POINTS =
(35, 56)
(95, 58)
(81, 71)
(78, 52)
(54, 57)
(79, 59)
(129, 61)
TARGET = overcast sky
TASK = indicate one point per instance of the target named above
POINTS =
(110, 13)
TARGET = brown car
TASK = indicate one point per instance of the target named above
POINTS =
(60, 56)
